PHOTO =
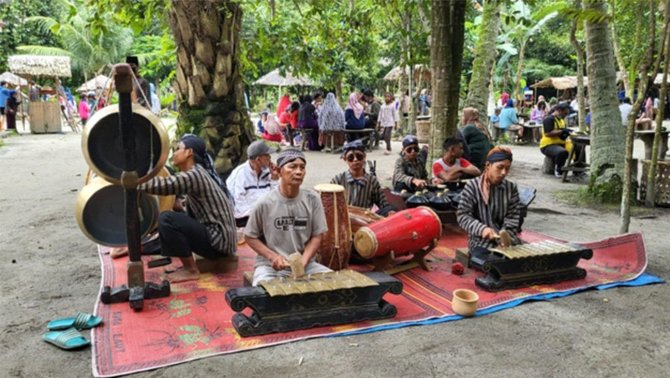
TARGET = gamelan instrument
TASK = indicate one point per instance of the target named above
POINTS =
(125, 145)
(288, 304)
(335, 247)
(535, 263)
(361, 217)
(411, 231)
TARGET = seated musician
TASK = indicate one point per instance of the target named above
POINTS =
(554, 143)
(489, 209)
(409, 172)
(287, 220)
(362, 188)
(453, 166)
(207, 228)
(250, 181)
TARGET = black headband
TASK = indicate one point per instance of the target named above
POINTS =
(499, 156)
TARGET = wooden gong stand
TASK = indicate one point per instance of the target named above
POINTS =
(137, 289)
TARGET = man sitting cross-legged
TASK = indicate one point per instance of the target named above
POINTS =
(489, 209)
(287, 220)
(362, 188)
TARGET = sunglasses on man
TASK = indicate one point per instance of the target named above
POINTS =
(411, 149)
(356, 155)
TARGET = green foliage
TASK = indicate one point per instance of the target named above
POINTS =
(16, 32)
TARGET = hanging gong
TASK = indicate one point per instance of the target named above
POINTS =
(103, 147)
(101, 215)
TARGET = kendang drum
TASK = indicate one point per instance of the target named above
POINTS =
(101, 214)
(407, 231)
(335, 247)
(103, 150)
(361, 217)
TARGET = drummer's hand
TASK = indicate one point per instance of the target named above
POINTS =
(419, 183)
(279, 262)
(437, 181)
(390, 213)
(489, 233)
(178, 205)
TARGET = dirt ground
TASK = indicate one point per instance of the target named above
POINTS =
(49, 270)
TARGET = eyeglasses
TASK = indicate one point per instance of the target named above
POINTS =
(357, 156)
(409, 150)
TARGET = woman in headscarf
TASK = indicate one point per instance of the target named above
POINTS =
(476, 136)
(283, 103)
(331, 120)
(208, 225)
(354, 115)
(307, 119)
(271, 129)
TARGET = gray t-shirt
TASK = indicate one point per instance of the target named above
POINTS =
(285, 225)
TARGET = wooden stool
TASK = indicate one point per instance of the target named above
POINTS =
(224, 264)
(548, 166)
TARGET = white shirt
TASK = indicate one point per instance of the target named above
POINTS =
(625, 110)
(247, 188)
(388, 116)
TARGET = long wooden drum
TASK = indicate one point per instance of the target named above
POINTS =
(103, 148)
(360, 217)
(101, 217)
(407, 231)
(335, 247)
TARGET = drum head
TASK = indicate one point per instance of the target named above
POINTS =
(103, 146)
(365, 242)
(101, 213)
(329, 188)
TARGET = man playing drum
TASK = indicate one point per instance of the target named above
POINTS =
(409, 172)
(286, 220)
(252, 180)
(489, 210)
(362, 188)
(208, 226)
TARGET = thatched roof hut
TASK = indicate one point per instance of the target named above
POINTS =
(274, 78)
(13, 79)
(560, 83)
(99, 82)
(40, 65)
(419, 69)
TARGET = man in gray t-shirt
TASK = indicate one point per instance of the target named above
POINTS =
(285, 221)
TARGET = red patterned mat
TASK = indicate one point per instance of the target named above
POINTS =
(195, 321)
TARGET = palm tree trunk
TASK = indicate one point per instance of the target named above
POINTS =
(208, 81)
(607, 151)
(580, 71)
(519, 70)
(650, 199)
(485, 58)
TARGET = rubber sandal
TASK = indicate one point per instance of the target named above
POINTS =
(68, 339)
(79, 321)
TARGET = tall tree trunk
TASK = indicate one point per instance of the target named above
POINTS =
(630, 130)
(650, 199)
(580, 70)
(619, 59)
(519, 71)
(411, 115)
(485, 58)
(402, 84)
(607, 151)
(446, 52)
(208, 81)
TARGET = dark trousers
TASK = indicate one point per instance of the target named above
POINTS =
(387, 137)
(180, 235)
(558, 154)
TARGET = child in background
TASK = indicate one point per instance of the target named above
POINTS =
(388, 119)
(84, 109)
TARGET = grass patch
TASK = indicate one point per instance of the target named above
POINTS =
(582, 198)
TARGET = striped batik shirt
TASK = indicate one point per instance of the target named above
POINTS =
(405, 171)
(362, 192)
(501, 212)
(206, 203)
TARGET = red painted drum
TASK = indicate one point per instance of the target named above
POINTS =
(335, 247)
(407, 231)
(360, 217)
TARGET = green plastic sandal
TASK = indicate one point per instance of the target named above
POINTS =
(79, 321)
(68, 339)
